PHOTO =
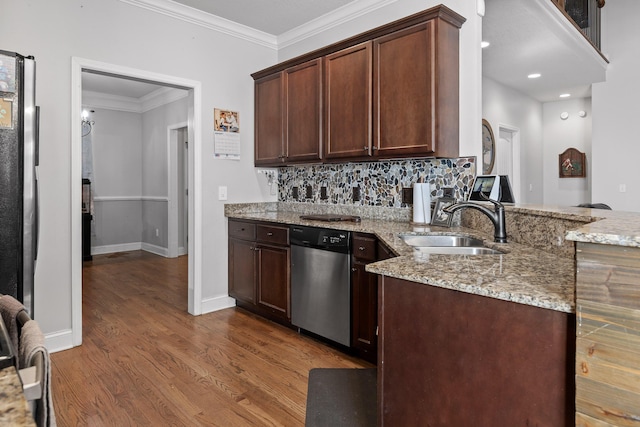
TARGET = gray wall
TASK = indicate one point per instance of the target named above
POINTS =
(131, 177)
(502, 105)
(117, 186)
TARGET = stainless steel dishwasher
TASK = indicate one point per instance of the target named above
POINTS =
(321, 282)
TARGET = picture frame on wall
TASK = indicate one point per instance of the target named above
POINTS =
(440, 217)
(571, 164)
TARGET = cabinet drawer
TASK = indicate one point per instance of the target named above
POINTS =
(272, 234)
(242, 230)
(364, 248)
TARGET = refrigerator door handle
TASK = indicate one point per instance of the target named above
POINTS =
(29, 184)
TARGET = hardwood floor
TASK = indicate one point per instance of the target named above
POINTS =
(145, 361)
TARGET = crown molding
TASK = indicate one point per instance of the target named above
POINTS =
(207, 20)
(330, 20)
(325, 22)
(155, 99)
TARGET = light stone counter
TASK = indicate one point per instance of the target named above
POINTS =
(523, 274)
(14, 410)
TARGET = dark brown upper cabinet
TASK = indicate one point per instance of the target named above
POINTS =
(391, 92)
(348, 97)
(415, 93)
(288, 112)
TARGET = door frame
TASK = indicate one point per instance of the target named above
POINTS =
(194, 114)
(173, 192)
(515, 160)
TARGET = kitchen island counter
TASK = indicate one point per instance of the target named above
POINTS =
(522, 274)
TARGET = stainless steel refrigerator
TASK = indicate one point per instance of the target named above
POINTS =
(18, 177)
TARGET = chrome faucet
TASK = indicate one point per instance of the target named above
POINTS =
(496, 216)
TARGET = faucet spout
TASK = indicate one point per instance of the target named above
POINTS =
(497, 217)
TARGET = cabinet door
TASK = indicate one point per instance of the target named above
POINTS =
(273, 279)
(348, 102)
(364, 309)
(303, 111)
(242, 272)
(269, 149)
(404, 92)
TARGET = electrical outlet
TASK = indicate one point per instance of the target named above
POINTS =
(157, 232)
(356, 194)
(407, 196)
(323, 193)
(294, 193)
(309, 192)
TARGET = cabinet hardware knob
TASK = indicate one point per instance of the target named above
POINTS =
(361, 248)
(365, 148)
(269, 234)
(374, 147)
(354, 269)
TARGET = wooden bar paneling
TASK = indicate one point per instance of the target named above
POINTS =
(608, 335)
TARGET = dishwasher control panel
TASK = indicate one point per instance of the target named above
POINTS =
(320, 238)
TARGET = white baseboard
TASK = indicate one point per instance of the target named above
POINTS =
(158, 250)
(109, 249)
(125, 247)
(210, 305)
(58, 341)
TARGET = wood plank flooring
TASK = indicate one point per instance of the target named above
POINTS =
(145, 361)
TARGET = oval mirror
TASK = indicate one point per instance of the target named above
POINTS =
(488, 148)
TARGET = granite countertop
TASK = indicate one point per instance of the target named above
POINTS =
(13, 406)
(522, 274)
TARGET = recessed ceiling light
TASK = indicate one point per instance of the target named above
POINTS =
(565, 95)
(534, 75)
(484, 44)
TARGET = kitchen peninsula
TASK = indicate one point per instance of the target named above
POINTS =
(530, 306)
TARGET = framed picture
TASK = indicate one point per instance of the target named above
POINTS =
(571, 164)
(440, 217)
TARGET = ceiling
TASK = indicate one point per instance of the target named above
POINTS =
(526, 36)
(270, 16)
(534, 37)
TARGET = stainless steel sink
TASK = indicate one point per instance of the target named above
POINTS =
(449, 244)
(448, 240)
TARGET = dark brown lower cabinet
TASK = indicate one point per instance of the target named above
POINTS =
(448, 358)
(259, 268)
(364, 295)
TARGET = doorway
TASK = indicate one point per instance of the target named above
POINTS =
(178, 190)
(508, 157)
(193, 182)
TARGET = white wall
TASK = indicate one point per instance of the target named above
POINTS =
(558, 135)
(502, 105)
(117, 33)
(470, 56)
(615, 110)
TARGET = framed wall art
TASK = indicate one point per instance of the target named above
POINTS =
(571, 164)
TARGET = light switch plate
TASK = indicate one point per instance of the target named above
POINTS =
(222, 192)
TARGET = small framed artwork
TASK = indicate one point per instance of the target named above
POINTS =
(440, 217)
(572, 164)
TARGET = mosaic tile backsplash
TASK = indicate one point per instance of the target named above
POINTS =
(380, 183)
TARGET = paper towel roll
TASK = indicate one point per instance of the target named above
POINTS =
(421, 203)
